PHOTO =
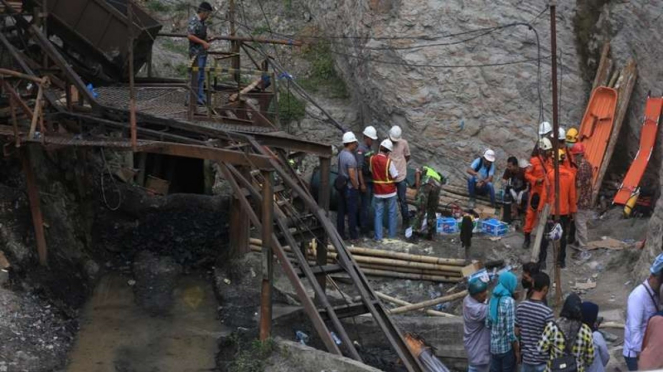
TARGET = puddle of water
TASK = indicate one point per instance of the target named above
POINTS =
(117, 336)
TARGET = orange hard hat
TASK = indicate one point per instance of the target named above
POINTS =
(578, 148)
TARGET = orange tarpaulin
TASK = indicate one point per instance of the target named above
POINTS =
(647, 141)
(596, 125)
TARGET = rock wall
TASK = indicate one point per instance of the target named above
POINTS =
(450, 115)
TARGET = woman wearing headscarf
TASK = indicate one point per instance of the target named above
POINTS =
(504, 348)
(569, 327)
(590, 314)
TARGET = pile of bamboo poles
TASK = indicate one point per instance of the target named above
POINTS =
(451, 195)
(377, 262)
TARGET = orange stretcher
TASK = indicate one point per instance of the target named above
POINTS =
(596, 126)
(647, 141)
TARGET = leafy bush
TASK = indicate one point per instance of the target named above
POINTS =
(290, 108)
(251, 358)
(323, 75)
(157, 6)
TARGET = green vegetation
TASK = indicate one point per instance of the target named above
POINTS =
(290, 108)
(157, 6)
(259, 30)
(174, 46)
(323, 76)
(182, 70)
(251, 358)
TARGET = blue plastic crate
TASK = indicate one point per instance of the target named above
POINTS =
(494, 227)
(447, 225)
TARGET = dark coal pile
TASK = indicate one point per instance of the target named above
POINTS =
(34, 335)
(156, 278)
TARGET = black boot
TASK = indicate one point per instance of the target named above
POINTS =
(527, 241)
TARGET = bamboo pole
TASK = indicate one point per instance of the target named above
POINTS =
(409, 270)
(392, 274)
(397, 301)
(389, 254)
(429, 303)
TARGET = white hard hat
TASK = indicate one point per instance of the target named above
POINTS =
(349, 137)
(545, 128)
(489, 155)
(387, 144)
(561, 134)
(395, 133)
(523, 163)
(545, 144)
(370, 132)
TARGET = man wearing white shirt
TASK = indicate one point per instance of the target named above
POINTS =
(643, 303)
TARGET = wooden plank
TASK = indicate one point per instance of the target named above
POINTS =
(605, 65)
(629, 74)
(541, 227)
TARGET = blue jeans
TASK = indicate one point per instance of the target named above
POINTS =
(202, 62)
(366, 199)
(401, 190)
(631, 363)
(379, 215)
(533, 367)
(485, 189)
(347, 206)
(503, 362)
(481, 368)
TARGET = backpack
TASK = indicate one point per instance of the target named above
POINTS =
(567, 362)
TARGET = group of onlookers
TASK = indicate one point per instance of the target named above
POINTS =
(499, 334)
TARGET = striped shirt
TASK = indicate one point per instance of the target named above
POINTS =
(532, 317)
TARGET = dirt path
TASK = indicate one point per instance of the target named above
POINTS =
(116, 335)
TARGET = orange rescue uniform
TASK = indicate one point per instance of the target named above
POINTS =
(568, 199)
(534, 173)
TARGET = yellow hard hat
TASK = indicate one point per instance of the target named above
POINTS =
(572, 135)
(561, 154)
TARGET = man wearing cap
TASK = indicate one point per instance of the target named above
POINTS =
(364, 154)
(643, 303)
(198, 45)
(400, 155)
(384, 174)
(584, 177)
(476, 336)
(347, 185)
(481, 173)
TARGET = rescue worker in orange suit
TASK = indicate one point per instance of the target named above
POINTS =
(568, 206)
(570, 140)
(535, 176)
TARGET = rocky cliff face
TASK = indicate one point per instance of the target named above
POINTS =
(449, 114)
(452, 114)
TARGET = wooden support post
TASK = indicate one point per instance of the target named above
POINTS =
(12, 105)
(193, 90)
(323, 202)
(234, 44)
(142, 163)
(35, 208)
(239, 225)
(267, 256)
(556, 144)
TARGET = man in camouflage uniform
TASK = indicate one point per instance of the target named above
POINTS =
(429, 184)
(198, 44)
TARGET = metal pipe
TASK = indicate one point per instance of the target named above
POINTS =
(241, 38)
(555, 114)
(16, 74)
(132, 91)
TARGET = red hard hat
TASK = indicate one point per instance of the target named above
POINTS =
(578, 148)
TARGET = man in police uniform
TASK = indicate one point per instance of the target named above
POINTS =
(198, 44)
(429, 184)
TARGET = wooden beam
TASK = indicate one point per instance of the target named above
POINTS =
(625, 90)
(35, 207)
(605, 65)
